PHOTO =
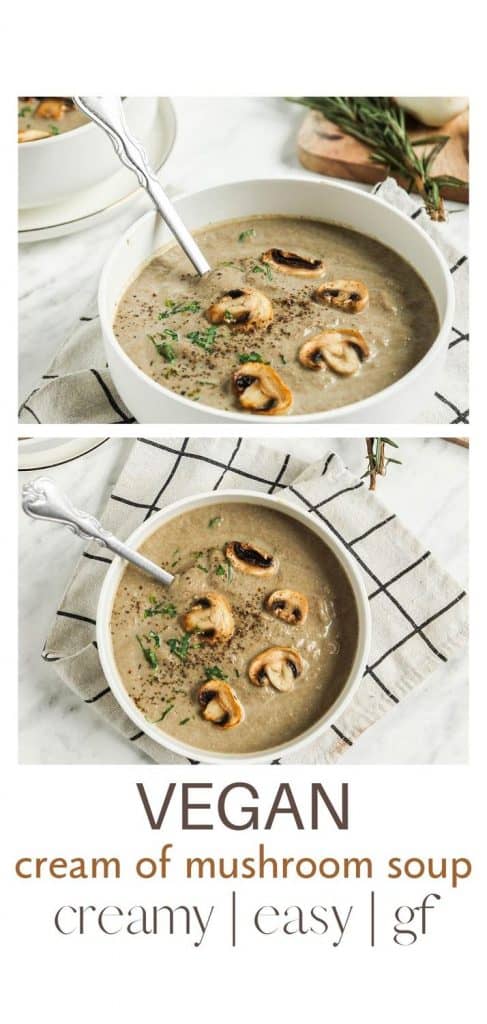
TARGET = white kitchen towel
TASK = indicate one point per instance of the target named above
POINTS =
(419, 613)
(78, 388)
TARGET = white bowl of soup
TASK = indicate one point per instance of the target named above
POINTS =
(324, 303)
(256, 647)
(61, 152)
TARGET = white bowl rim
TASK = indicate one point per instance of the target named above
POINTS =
(316, 417)
(105, 648)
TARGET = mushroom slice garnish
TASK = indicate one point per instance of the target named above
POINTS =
(351, 296)
(288, 605)
(243, 308)
(211, 617)
(220, 704)
(32, 135)
(294, 264)
(260, 389)
(279, 666)
(52, 108)
(251, 560)
(340, 349)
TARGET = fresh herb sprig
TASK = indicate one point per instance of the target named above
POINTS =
(381, 124)
(377, 459)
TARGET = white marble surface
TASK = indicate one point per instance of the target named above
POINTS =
(218, 140)
(429, 491)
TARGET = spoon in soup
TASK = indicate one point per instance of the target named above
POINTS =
(107, 113)
(42, 499)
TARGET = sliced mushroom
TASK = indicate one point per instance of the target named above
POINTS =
(52, 108)
(259, 388)
(294, 264)
(220, 704)
(288, 605)
(341, 349)
(251, 560)
(244, 308)
(351, 296)
(211, 616)
(32, 135)
(279, 666)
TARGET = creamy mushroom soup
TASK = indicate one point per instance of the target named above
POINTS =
(253, 641)
(40, 117)
(296, 316)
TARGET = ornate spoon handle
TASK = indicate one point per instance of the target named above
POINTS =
(41, 499)
(107, 113)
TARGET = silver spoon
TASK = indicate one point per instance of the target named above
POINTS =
(41, 499)
(107, 113)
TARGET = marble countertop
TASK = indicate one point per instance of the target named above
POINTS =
(218, 139)
(429, 491)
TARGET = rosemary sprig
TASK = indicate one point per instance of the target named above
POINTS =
(377, 459)
(381, 124)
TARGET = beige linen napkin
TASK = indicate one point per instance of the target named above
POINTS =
(419, 613)
(77, 387)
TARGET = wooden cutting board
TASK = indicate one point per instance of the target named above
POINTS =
(322, 147)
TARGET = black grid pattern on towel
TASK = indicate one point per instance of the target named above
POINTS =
(180, 452)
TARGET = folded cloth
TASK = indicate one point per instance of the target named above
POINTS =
(419, 613)
(77, 387)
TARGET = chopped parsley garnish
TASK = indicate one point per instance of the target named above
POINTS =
(184, 721)
(202, 567)
(164, 713)
(160, 608)
(224, 570)
(263, 270)
(54, 130)
(204, 339)
(250, 357)
(282, 358)
(156, 640)
(249, 233)
(215, 673)
(228, 316)
(164, 348)
(178, 307)
(25, 110)
(216, 521)
(149, 655)
(179, 646)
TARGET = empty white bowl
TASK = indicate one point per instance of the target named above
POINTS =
(150, 402)
(105, 647)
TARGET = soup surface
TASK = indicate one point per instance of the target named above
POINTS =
(163, 665)
(165, 321)
(39, 117)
